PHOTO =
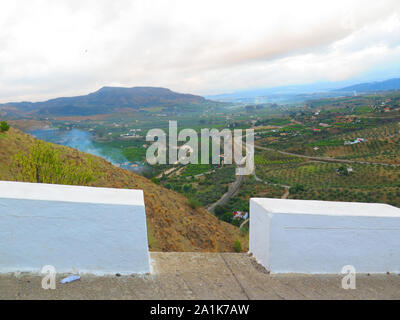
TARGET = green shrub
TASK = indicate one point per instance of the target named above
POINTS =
(342, 170)
(43, 164)
(227, 217)
(219, 210)
(193, 203)
(237, 246)
(4, 126)
(297, 188)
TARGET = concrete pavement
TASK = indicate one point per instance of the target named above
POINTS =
(185, 275)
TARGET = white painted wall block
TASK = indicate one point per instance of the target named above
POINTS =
(320, 237)
(73, 228)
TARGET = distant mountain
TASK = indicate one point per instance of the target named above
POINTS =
(280, 94)
(106, 100)
(391, 84)
(303, 92)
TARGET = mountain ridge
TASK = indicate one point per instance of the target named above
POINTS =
(106, 100)
(287, 93)
(386, 85)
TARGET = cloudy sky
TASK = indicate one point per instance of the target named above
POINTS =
(71, 47)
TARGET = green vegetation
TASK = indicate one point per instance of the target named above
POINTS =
(325, 143)
(134, 154)
(205, 189)
(4, 126)
(322, 174)
(194, 204)
(271, 157)
(44, 164)
(196, 169)
(250, 188)
(273, 122)
(237, 246)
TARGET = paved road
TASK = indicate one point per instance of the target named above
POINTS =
(286, 194)
(233, 188)
(186, 275)
(166, 172)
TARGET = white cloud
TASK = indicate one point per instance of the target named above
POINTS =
(53, 48)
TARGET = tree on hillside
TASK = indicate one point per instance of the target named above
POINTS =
(44, 164)
(219, 210)
(342, 170)
(297, 188)
(4, 126)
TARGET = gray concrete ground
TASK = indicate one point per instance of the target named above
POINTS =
(203, 276)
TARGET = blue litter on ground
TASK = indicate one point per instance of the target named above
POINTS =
(70, 279)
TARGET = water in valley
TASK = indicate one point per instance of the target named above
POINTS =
(83, 141)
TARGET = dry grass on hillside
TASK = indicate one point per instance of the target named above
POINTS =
(172, 224)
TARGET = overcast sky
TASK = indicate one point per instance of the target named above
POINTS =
(67, 47)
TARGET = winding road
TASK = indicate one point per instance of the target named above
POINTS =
(232, 189)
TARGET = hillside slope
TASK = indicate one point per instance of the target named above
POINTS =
(172, 224)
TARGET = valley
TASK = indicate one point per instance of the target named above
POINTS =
(343, 148)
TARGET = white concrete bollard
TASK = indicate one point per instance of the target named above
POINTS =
(320, 237)
(73, 228)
